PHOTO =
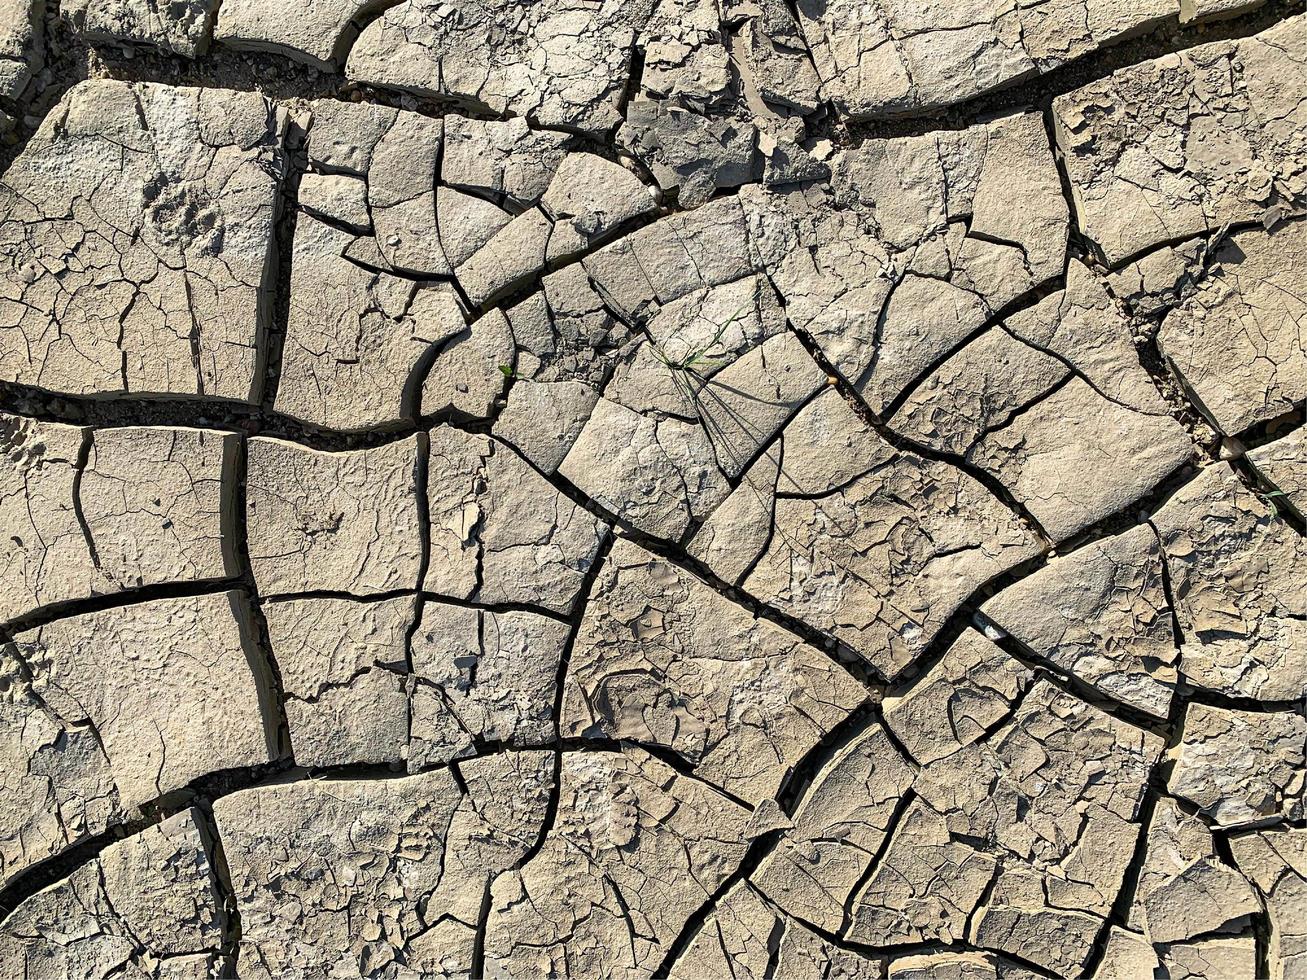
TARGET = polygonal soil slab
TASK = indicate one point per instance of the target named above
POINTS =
(137, 234)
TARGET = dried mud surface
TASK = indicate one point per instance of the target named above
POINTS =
(653, 489)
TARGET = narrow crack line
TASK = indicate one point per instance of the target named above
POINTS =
(421, 477)
(229, 913)
(1177, 631)
(634, 83)
(1280, 504)
(859, 721)
(362, 598)
(410, 399)
(1260, 921)
(1158, 777)
(392, 594)
(274, 294)
(1026, 301)
(1133, 514)
(556, 714)
(1076, 239)
(874, 862)
(1069, 682)
(758, 849)
(205, 789)
(799, 778)
(513, 293)
(1211, 237)
(1233, 702)
(1021, 94)
(243, 418)
(675, 554)
(48, 614)
(369, 11)
(1076, 372)
(996, 489)
(1273, 430)
(478, 960)
(79, 471)
(1025, 409)
(255, 635)
(569, 645)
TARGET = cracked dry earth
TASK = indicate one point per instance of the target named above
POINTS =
(653, 488)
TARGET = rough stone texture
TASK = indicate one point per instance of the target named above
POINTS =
(1056, 406)
(93, 512)
(926, 886)
(672, 257)
(507, 157)
(22, 37)
(1237, 574)
(385, 683)
(634, 850)
(561, 65)
(58, 786)
(1241, 768)
(147, 906)
(567, 332)
(1276, 863)
(499, 531)
(542, 419)
(653, 488)
(136, 679)
(135, 230)
(973, 688)
(1065, 827)
(140, 675)
(747, 938)
(320, 31)
(691, 407)
(356, 338)
(1283, 465)
(417, 227)
(691, 157)
(888, 57)
(1188, 143)
(735, 534)
(1191, 10)
(482, 678)
(342, 521)
(917, 244)
(956, 966)
(1160, 279)
(1127, 954)
(1184, 889)
(354, 877)
(686, 59)
(1239, 342)
(662, 659)
(776, 70)
(1101, 614)
(180, 26)
(588, 199)
(1206, 958)
(875, 546)
(342, 664)
(837, 829)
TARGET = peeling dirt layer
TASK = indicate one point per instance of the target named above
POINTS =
(630, 489)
